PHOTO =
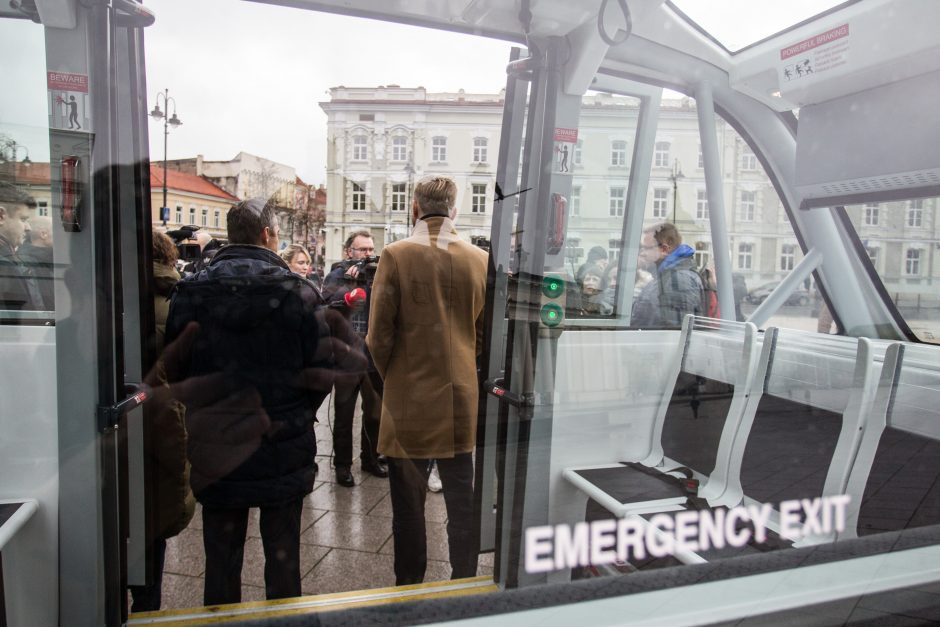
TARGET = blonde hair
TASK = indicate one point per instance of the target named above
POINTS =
(291, 251)
(435, 194)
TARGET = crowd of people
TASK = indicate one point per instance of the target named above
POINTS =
(251, 341)
(252, 349)
(667, 285)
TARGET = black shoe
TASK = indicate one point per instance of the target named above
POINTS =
(376, 470)
(344, 477)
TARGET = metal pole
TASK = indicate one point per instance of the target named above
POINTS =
(166, 134)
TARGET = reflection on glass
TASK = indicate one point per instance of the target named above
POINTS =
(901, 239)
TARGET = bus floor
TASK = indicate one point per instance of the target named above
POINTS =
(345, 541)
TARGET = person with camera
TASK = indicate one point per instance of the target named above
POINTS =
(356, 271)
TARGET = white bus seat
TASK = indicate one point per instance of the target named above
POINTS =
(801, 426)
(894, 482)
(694, 426)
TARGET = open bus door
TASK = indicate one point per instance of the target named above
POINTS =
(533, 185)
(81, 115)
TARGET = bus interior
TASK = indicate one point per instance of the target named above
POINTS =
(772, 457)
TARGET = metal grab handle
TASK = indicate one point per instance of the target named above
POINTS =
(108, 417)
(495, 387)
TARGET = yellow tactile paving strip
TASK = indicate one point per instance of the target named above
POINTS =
(318, 603)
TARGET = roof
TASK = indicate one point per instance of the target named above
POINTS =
(34, 173)
(183, 182)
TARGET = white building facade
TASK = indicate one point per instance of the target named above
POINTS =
(381, 139)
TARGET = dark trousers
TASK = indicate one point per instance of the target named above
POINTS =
(147, 598)
(408, 480)
(344, 402)
(223, 535)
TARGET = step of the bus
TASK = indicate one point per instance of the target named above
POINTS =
(316, 603)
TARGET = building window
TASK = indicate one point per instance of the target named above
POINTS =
(871, 214)
(745, 256)
(179, 214)
(618, 153)
(873, 256)
(479, 149)
(912, 262)
(192, 215)
(701, 254)
(358, 197)
(701, 205)
(660, 202)
(217, 216)
(577, 152)
(43, 208)
(205, 217)
(478, 198)
(746, 206)
(617, 201)
(439, 149)
(701, 157)
(576, 200)
(661, 155)
(748, 159)
(787, 257)
(915, 214)
(360, 148)
(399, 148)
(399, 196)
(613, 250)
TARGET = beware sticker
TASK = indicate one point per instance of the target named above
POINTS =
(68, 101)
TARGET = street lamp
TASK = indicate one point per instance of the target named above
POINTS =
(173, 121)
(13, 147)
(410, 171)
(674, 177)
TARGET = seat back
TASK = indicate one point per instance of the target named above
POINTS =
(704, 399)
(894, 482)
(801, 428)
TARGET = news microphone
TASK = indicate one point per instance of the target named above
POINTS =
(350, 299)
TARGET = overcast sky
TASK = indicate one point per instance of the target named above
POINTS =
(248, 76)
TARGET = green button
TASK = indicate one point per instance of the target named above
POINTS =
(553, 287)
(551, 315)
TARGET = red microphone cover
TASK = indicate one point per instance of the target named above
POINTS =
(355, 296)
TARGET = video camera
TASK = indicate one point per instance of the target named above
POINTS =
(188, 251)
(367, 267)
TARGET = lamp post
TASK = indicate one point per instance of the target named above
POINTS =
(410, 170)
(674, 177)
(173, 121)
(14, 147)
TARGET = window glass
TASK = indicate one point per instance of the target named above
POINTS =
(479, 149)
(360, 148)
(478, 201)
(399, 148)
(439, 149)
(901, 239)
(399, 196)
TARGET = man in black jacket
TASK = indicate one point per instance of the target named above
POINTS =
(263, 327)
(357, 270)
(18, 288)
(36, 254)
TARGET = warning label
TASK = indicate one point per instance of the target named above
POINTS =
(815, 55)
(68, 101)
(67, 82)
(565, 139)
(567, 135)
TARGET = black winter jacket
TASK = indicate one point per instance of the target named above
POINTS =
(259, 324)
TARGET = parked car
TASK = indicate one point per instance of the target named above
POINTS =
(758, 295)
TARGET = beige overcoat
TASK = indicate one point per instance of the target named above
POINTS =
(425, 331)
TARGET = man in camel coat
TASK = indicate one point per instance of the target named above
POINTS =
(425, 332)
